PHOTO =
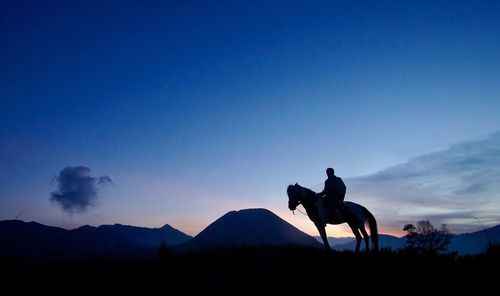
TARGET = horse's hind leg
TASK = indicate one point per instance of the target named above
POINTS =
(365, 237)
(358, 237)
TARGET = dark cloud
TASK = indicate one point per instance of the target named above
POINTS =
(457, 186)
(77, 190)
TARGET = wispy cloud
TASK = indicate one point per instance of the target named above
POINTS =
(77, 190)
(459, 186)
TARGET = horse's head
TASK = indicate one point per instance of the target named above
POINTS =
(299, 195)
(294, 196)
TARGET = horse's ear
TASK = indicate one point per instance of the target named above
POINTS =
(296, 183)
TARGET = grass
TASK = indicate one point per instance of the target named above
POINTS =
(251, 270)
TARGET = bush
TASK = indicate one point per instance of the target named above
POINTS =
(424, 238)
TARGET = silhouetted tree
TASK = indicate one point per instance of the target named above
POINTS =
(424, 238)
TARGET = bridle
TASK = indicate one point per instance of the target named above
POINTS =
(299, 203)
(305, 214)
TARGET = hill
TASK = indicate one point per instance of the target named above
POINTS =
(31, 239)
(333, 241)
(465, 244)
(140, 236)
(249, 227)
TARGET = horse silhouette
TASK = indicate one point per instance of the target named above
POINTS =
(353, 214)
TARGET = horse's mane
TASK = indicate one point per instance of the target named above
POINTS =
(308, 191)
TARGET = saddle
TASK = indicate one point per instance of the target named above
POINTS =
(333, 210)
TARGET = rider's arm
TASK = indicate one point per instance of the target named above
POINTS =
(322, 192)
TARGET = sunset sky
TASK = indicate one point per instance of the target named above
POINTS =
(184, 110)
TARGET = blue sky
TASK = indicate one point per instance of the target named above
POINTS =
(194, 108)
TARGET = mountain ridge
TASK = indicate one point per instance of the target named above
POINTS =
(249, 227)
(33, 239)
(246, 227)
(469, 243)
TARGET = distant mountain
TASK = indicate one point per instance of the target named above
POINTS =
(385, 241)
(34, 239)
(31, 239)
(475, 242)
(141, 236)
(464, 244)
(333, 241)
(249, 227)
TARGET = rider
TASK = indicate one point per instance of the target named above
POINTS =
(334, 191)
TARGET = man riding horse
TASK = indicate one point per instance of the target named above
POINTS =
(334, 192)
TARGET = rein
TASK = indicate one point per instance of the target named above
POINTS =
(300, 203)
(305, 214)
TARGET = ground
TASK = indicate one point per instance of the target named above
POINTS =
(252, 270)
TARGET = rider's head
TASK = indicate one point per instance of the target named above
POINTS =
(330, 172)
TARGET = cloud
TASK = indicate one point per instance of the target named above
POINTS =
(77, 190)
(459, 186)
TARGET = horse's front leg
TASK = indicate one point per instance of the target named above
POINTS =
(322, 233)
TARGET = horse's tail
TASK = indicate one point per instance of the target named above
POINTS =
(373, 227)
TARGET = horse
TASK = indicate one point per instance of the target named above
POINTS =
(353, 214)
